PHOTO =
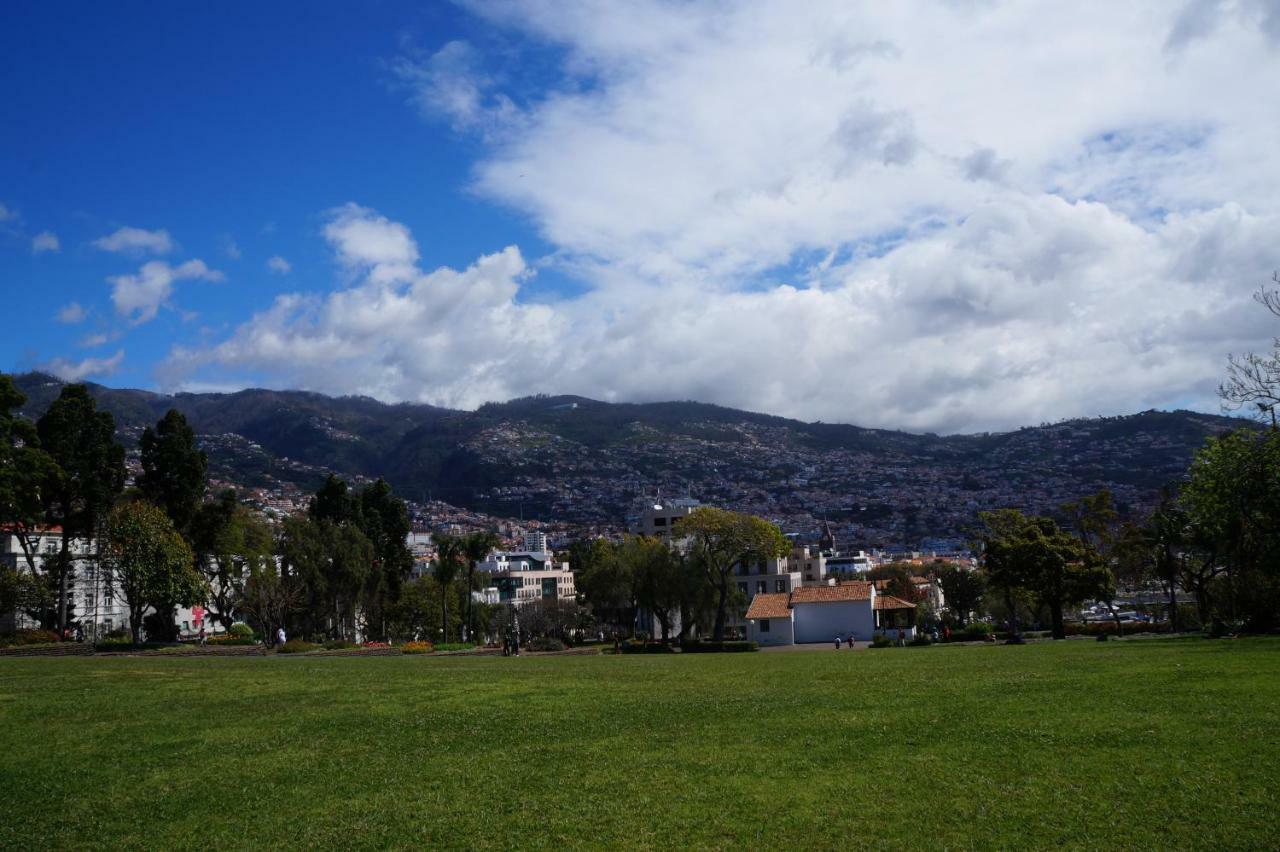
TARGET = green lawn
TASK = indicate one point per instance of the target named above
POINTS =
(1137, 744)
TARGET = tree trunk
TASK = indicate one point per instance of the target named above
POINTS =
(722, 604)
(1055, 612)
(1173, 605)
(471, 581)
(63, 567)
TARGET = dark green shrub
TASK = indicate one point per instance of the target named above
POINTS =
(455, 646)
(881, 641)
(241, 629)
(697, 646)
(632, 647)
(297, 646)
(546, 643)
(28, 637)
(339, 645)
(921, 639)
(112, 642)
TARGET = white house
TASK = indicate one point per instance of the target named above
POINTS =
(821, 613)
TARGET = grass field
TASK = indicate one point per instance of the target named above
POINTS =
(1138, 744)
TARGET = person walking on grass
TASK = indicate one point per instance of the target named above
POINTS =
(902, 638)
(280, 639)
(837, 641)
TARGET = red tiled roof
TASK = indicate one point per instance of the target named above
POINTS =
(890, 602)
(855, 591)
(769, 605)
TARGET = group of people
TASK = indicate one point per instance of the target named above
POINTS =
(511, 644)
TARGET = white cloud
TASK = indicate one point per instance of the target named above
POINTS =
(72, 313)
(8, 214)
(139, 296)
(279, 265)
(74, 371)
(45, 241)
(231, 249)
(969, 216)
(136, 241)
(93, 340)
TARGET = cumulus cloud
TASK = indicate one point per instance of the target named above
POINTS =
(970, 216)
(139, 296)
(279, 265)
(91, 341)
(71, 313)
(136, 241)
(45, 241)
(74, 371)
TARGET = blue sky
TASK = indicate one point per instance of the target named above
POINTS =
(229, 124)
(934, 215)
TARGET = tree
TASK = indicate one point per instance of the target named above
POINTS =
(962, 589)
(384, 520)
(449, 558)
(1253, 381)
(1232, 504)
(657, 576)
(1032, 555)
(900, 581)
(333, 503)
(1098, 525)
(270, 597)
(605, 582)
(150, 563)
(230, 543)
(25, 469)
(476, 547)
(722, 540)
(89, 475)
(174, 469)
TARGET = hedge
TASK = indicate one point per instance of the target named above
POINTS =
(630, 647)
(29, 637)
(697, 646)
(297, 646)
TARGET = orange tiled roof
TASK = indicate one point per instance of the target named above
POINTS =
(769, 605)
(855, 591)
(890, 602)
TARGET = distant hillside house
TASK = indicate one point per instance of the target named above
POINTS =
(821, 613)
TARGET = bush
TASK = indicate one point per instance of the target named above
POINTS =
(112, 642)
(231, 639)
(337, 644)
(974, 631)
(545, 643)
(1102, 628)
(297, 646)
(921, 639)
(697, 646)
(419, 646)
(28, 637)
(881, 641)
(241, 629)
(630, 647)
(455, 646)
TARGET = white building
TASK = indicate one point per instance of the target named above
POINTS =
(523, 576)
(821, 613)
(535, 542)
(93, 600)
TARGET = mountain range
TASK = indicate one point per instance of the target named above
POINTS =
(589, 462)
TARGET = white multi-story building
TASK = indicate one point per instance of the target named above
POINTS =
(524, 576)
(93, 600)
(657, 519)
(535, 542)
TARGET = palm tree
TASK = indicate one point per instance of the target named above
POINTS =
(476, 547)
(449, 554)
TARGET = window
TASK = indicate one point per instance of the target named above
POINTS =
(761, 587)
(659, 522)
(743, 587)
(764, 625)
(781, 585)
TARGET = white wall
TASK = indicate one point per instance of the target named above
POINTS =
(780, 631)
(822, 622)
